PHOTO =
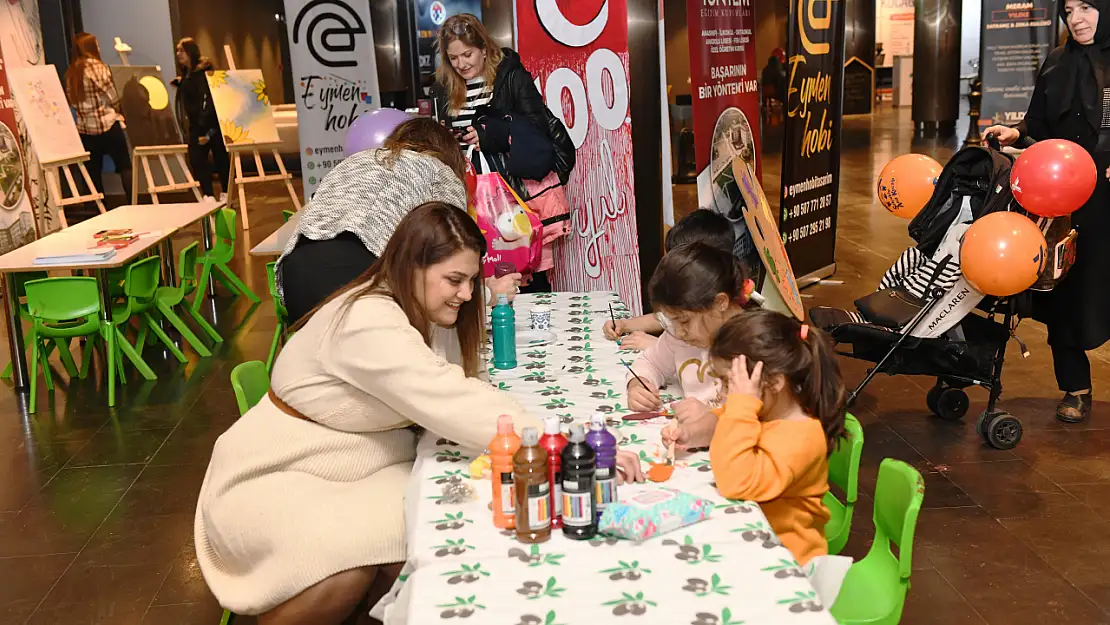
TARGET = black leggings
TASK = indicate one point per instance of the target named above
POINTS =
(202, 170)
(316, 269)
(112, 143)
(1073, 369)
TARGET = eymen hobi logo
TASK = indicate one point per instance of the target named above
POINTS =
(329, 29)
(438, 13)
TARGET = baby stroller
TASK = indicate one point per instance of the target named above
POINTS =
(926, 319)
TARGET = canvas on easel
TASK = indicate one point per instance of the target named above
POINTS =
(158, 150)
(42, 102)
(248, 126)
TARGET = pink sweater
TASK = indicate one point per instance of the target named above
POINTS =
(670, 358)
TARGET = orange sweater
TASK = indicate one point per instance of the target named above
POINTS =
(783, 465)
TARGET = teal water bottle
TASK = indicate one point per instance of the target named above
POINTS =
(504, 334)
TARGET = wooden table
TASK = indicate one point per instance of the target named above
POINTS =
(159, 223)
(274, 244)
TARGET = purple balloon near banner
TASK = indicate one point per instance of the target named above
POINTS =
(371, 129)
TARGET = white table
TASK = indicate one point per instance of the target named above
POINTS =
(157, 224)
(730, 568)
(274, 244)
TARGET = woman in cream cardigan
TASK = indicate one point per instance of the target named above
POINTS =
(301, 511)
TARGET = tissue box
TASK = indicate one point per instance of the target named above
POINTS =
(652, 512)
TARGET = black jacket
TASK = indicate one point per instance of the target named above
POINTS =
(515, 94)
(195, 101)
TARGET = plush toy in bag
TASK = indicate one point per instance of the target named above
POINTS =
(514, 234)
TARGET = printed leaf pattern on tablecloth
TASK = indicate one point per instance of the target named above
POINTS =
(631, 571)
(636, 605)
(803, 602)
(690, 552)
(463, 607)
(536, 590)
(450, 521)
(534, 557)
(466, 574)
(702, 588)
(784, 569)
(531, 619)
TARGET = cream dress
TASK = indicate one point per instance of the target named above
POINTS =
(287, 503)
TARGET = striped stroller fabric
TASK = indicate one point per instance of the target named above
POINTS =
(920, 275)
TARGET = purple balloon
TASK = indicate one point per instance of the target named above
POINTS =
(371, 129)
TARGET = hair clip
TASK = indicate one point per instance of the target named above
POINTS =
(804, 331)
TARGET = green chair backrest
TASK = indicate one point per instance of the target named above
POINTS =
(271, 279)
(62, 299)
(286, 214)
(898, 496)
(223, 249)
(251, 382)
(844, 461)
(141, 283)
(187, 268)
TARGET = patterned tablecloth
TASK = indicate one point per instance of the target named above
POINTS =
(727, 570)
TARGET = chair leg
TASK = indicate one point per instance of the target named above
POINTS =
(86, 356)
(134, 357)
(228, 618)
(110, 370)
(203, 323)
(66, 357)
(186, 333)
(46, 375)
(202, 287)
(228, 284)
(7, 373)
(162, 336)
(238, 283)
(34, 372)
(274, 344)
(140, 337)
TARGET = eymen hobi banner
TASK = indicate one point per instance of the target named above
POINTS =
(811, 149)
(1016, 38)
(331, 46)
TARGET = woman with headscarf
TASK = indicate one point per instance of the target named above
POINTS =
(1071, 101)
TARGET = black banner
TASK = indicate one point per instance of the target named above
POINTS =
(1016, 39)
(811, 150)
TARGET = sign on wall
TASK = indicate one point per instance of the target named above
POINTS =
(725, 90)
(811, 150)
(430, 15)
(579, 57)
(894, 29)
(1016, 38)
(331, 46)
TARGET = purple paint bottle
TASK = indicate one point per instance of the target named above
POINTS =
(604, 444)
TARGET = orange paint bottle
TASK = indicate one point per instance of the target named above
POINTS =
(501, 450)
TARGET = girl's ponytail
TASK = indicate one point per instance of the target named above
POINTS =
(823, 391)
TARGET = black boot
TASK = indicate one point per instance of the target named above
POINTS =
(1074, 408)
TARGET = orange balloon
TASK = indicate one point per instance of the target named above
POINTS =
(1002, 254)
(907, 183)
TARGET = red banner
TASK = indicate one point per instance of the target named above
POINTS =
(17, 227)
(578, 53)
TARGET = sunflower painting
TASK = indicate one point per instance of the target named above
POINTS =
(243, 107)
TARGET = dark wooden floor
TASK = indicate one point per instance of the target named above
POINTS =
(96, 505)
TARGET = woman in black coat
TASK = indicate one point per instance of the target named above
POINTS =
(202, 128)
(1071, 101)
(476, 79)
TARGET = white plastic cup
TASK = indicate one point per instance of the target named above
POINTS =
(541, 317)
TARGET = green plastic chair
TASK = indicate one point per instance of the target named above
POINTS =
(251, 383)
(844, 473)
(139, 288)
(21, 293)
(61, 309)
(282, 317)
(286, 214)
(874, 591)
(218, 257)
(169, 297)
(228, 619)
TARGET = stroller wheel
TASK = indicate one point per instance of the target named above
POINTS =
(951, 404)
(932, 399)
(982, 423)
(1003, 431)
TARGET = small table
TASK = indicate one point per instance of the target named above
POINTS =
(274, 244)
(727, 569)
(159, 223)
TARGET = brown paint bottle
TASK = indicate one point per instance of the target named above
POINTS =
(532, 489)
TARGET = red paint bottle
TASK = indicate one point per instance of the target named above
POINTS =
(553, 442)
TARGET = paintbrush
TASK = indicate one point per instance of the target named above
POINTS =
(641, 381)
(670, 454)
(613, 316)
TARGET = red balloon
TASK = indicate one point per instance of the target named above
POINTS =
(1053, 178)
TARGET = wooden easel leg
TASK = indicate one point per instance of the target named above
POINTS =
(288, 181)
(135, 160)
(189, 176)
(242, 191)
(88, 181)
(149, 180)
(54, 189)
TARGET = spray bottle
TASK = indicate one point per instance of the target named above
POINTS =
(553, 442)
(604, 445)
(533, 490)
(579, 511)
(501, 450)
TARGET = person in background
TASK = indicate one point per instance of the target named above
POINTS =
(782, 417)
(774, 80)
(202, 127)
(477, 78)
(356, 209)
(1071, 100)
(93, 96)
(702, 226)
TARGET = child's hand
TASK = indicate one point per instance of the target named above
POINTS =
(628, 467)
(689, 410)
(613, 331)
(637, 341)
(642, 399)
(740, 382)
(692, 434)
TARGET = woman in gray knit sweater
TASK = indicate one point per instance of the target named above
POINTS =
(356, 209)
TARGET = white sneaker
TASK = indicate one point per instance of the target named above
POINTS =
(208, 199)
(223, 197)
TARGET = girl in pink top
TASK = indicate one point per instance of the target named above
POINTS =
(695, 290)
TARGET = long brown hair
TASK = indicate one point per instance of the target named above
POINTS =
(192, 50)
(807, 362)
(468, 29)
(430, 234)
(425, 136)
(85, 47)
(691, 276)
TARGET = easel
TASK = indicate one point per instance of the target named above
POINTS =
(141, 156)
(237, 179)
(54, 186)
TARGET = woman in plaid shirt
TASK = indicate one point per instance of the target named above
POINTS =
(99, 121)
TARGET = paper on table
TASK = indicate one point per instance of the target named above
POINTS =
(98, 256)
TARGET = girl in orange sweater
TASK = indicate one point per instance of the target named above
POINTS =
(784, 412)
